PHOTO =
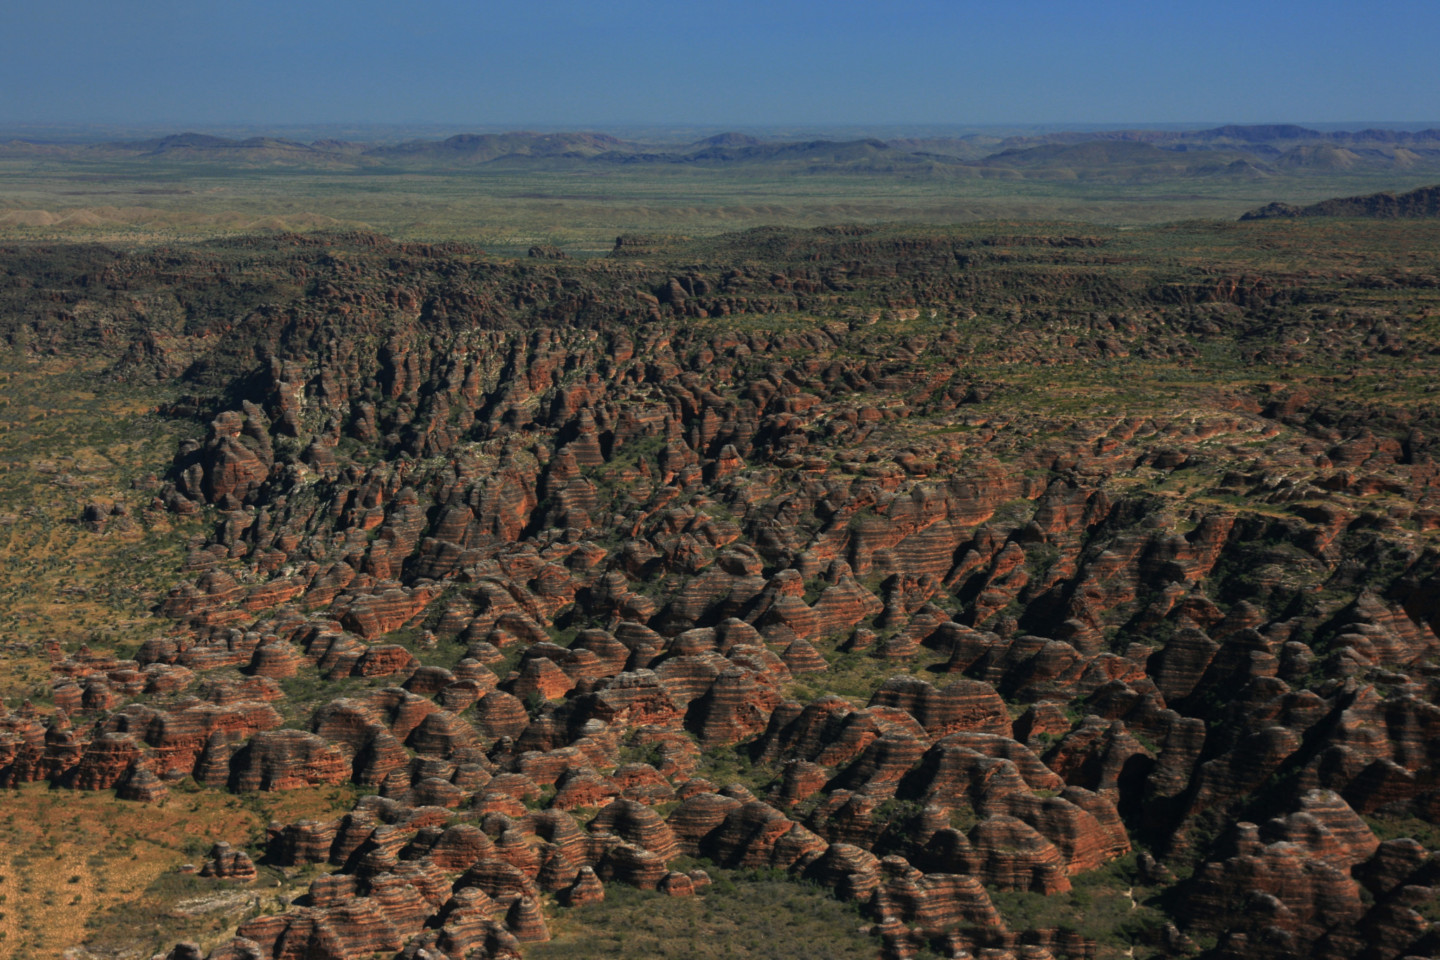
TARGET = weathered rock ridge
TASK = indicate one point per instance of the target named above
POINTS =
(754, 554)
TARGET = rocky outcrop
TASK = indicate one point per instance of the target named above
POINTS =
(282, 759)
(228, 863)
(1421, 202)
(841, 585)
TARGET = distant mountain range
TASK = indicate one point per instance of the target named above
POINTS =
(1424, 202)
(1230, 151)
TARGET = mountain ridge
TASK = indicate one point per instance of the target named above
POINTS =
(1064, 154)
(1418, 203)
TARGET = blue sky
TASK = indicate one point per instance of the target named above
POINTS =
(742, 63)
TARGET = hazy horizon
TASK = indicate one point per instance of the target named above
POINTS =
(60, 132)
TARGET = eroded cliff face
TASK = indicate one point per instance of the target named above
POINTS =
(923, 568)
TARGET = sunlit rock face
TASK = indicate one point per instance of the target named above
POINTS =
(856, 556)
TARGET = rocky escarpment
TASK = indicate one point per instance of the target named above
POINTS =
(1421, 202)
(781, 554)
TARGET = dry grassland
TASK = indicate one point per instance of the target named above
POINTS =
(78, 866)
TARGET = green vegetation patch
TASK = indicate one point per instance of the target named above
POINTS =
(741, 917)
